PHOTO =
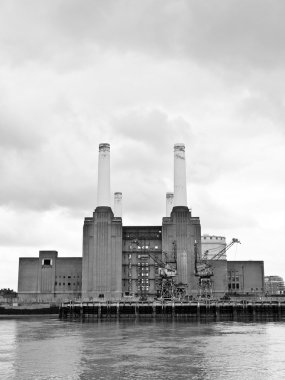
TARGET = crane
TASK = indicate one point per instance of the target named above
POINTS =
(203, 268)
(167, 272)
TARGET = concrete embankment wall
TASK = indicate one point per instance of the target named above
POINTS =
(34, 309)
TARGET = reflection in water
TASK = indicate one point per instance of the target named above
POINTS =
(46, 348)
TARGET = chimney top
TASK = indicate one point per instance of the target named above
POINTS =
(179, 146)
(169, 195)
(104, 147)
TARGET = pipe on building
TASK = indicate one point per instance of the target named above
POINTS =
(169, 203)
(104, 195)
(180, 192)
(118, 204)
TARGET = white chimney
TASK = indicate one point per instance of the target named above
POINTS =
(180, 195)
(104, 195)
(169, 203)
(118, 204)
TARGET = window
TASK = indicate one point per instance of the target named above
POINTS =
(69, 284)
(101, 295)
(69, 276)
(47, 262)
(130, 256)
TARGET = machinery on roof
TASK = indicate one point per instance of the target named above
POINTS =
(169, 289)
(204, 267)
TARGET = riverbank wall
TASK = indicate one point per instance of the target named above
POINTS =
(33, 309)
(215, 311)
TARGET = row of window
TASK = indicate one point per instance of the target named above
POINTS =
(146, 257)
(138, 264)
(142, 247)
(67, 276)
(215, 237)
(233, 286)
(68, 283)
(143, 281)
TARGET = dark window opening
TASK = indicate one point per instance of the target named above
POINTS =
(46, 261)
(69, 284)
(101, 295)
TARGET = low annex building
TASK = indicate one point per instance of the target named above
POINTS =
(117, 260)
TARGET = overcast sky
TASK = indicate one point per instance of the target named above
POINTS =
(141, 75)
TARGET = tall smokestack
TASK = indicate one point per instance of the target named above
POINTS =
(169, 203)
(180, 195)
(118, 204)
(104, 195)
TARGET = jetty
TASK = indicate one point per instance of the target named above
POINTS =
(194, 310)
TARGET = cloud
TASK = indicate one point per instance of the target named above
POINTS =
(208, 32)
(141, 76)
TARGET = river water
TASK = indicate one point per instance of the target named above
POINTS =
(47, 348)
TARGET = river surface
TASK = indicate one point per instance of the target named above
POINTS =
(47, 348)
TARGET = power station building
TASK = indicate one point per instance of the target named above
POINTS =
(122, 261)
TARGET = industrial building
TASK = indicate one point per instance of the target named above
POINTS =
(143, 262)
(274, 285)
